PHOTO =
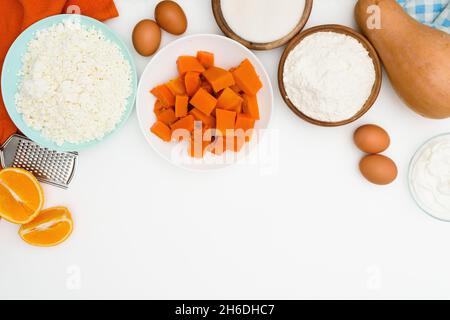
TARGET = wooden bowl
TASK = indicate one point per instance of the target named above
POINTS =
(343, 30)
(218, 15)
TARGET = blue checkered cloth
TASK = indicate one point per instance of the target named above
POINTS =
(435, 13)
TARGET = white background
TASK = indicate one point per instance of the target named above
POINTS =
(312, 229)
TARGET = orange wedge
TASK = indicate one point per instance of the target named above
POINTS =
(21, 196)
(51, 227)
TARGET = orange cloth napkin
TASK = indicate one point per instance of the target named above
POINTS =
(17, 15)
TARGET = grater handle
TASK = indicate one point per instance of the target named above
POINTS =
(5, 159)
(2, 156)
(2, 161)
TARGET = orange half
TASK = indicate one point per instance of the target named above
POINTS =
(21, 196)
(51, 227)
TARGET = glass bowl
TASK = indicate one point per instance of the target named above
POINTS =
(412, 188)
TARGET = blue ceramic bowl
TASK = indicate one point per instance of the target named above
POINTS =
(11, 80)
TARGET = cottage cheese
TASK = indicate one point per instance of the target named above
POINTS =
(75, 83)
(329, 76)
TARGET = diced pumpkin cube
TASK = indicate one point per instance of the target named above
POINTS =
(219, 78)
(250, 106)
(192, 82)
(206, 59)
(164, 95)
(225, 120)
(161, 130)
(167, 116)
(204, 101)
(229, 100)
(207, 120)
(244, 124)
(181, 106)
(189, 63)
(246, 78)
(158, 107)
(186, 123)
(177, 87)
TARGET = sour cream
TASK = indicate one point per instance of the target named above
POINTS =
(262, 21)
(429, 177)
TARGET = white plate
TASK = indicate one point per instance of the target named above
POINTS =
(162, 68)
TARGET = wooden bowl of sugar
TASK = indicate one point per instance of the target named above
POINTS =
(261, 24)
(349, 88)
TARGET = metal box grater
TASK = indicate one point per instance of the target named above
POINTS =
(52, 167)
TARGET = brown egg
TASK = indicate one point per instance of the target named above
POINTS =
(378, 169)
(146, 37)
(170, 17)
(371, 138)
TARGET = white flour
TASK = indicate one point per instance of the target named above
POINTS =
(75, 83)
(329, 76)
(262, 21)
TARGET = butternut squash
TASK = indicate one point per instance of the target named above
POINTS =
(177, 87)
(167, 116)
(158, 107)
(246, 78)
(188, 63)
(203, 101)
(229, 100)
(162, 130)
(244, 126)
(225, 121)
(251, 107)
(416, 57)
(207, 120)
(186, 123)
(164, 95)
(206, 59)
(192, 82)
(181, 106)
(219, 78)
